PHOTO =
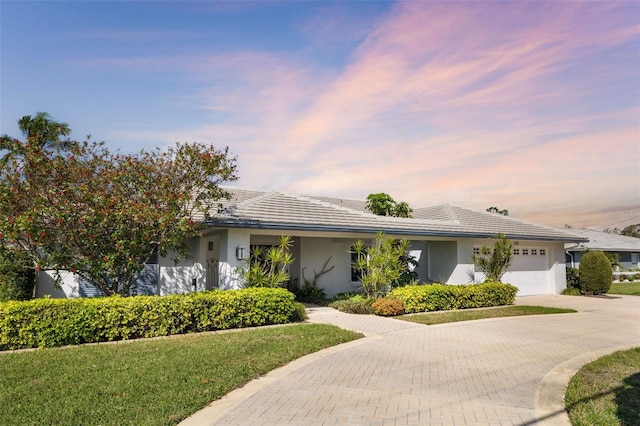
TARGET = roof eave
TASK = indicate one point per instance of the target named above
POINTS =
(389, 231)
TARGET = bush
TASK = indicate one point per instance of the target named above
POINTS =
(58, 322)
(16, 279)
(595, 273)
(355, 305)
(437, 297)
(572, 291)
(300, 313)
(573, 278)
(311, 294)
(346, 295)
(387, 307)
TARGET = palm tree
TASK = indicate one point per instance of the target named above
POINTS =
(40, 132)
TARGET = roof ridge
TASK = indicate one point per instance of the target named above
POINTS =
(267, 194)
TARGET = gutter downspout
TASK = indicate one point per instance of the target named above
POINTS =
(573, 263)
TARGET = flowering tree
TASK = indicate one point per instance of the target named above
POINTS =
(103, 215)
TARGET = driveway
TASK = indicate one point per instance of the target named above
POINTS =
(503, 371)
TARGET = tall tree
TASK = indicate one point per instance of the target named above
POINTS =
(103, 215)
(40, 132)
(382, 204)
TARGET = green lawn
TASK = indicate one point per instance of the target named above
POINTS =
(147, 382)
(474, 314)
(632, 288)
(606, 391)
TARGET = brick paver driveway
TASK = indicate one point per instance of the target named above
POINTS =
(484, 372)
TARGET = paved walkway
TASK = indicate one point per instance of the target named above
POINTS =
(505, 371)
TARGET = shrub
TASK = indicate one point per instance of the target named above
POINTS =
(573, 278)
(572, 291)
(595, 273)
(16, 278)
(636, 277)
(387, 307)
(300, 313)
(311, 294)
(355, 305)
(345, 295)
(494, 261)
(437, 297)
(58, 322)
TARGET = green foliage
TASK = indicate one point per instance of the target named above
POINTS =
(572, 291)
(267, 267)
(354, 305)
(345, 295)
(496, 210)
(632, 231)
(438, 297)
(311, 294)
(595, 273)
(494, 261)
(387, 307)
(147, 382)
(382, 265)
(383, 205)
(606, 391)
(573, 278)
(300, 313)
(103, 215)
(476, 314)
(40, 132)
(17, 279)
(58, 322)
(614, 259)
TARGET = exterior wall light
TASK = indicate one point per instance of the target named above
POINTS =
(239, 252)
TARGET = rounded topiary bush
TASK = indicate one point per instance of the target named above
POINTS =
(595, 273)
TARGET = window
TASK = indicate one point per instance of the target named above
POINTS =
(356, 274)
(476, 250)
(542, 252)
(534, 252)
(525, 252)
(516, 252)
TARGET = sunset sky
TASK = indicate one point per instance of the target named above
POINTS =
(532, 107)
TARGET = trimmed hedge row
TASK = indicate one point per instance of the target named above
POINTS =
(441, 297)
(58, 322)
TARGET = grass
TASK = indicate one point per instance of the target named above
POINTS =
(606, 391)
(632, 288)
(147, 382)
(474, 314)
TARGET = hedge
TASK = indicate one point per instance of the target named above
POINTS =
(57, 322)
(441, 297)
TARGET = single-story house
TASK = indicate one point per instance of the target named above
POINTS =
(443, 239)
(627, 248)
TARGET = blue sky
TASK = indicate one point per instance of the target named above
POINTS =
(528, 106)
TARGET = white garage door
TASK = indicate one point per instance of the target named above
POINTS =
(529, 270)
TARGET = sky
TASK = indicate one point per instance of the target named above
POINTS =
(533, 107)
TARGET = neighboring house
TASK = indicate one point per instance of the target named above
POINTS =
(627, 248)
(443, 240)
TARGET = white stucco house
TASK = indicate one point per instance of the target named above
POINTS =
(443, 238)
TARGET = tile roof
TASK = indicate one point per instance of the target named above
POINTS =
(604, 241)
(286, 211)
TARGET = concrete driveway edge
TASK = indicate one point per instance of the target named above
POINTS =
(550, 407)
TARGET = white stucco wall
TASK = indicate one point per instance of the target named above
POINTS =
(68, 285)
(539, 274)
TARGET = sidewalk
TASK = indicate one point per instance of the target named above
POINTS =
(503, 371)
